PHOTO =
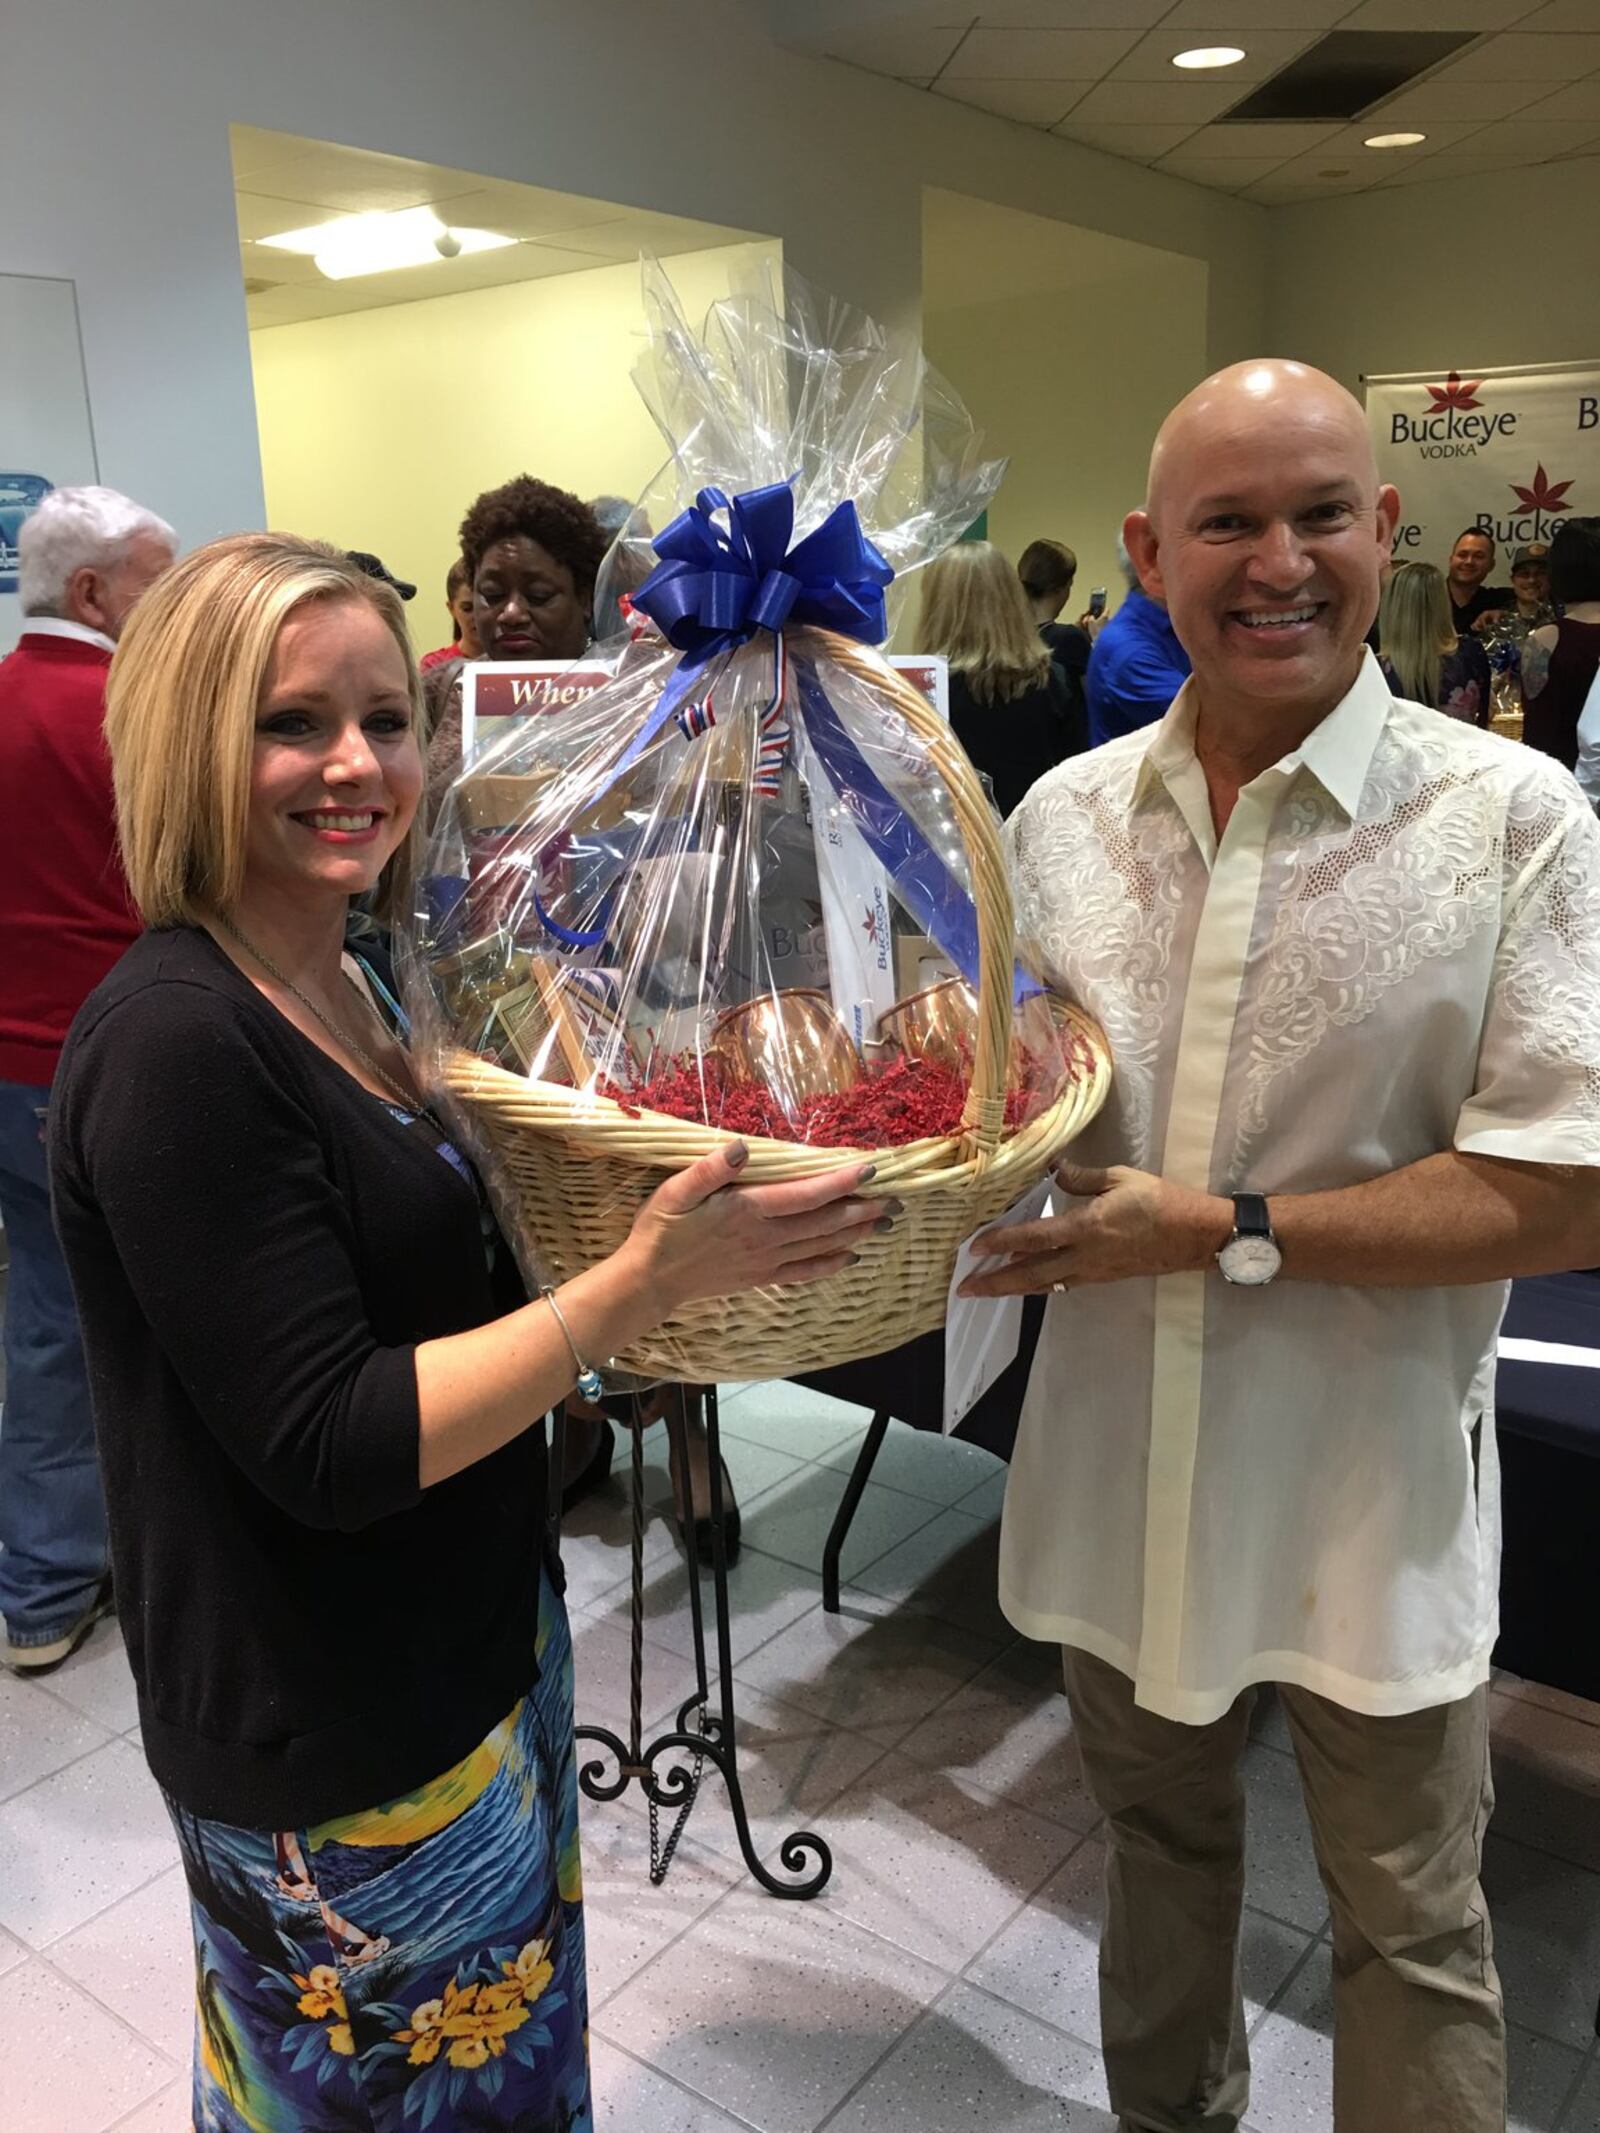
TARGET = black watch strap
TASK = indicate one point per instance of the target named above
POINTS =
(1250, 1215)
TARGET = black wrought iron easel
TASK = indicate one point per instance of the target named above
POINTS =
(701, 1734)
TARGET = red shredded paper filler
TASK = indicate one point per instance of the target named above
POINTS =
(911, 1101)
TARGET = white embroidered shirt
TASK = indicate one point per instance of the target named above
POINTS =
(1393, 949)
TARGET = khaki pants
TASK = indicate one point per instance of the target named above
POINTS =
(1398, 1808)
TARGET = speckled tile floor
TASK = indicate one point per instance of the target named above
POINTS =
(945, 1979)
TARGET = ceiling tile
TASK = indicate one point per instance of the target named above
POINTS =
(1536, 140)
(1579, 100)
(1442, 99)
(1516, 57)
(1035, 103)
(1351, 140)
(1258, 140)
(1230, 174)
(1086, 14)
(899, 48)
(1037, 55)
(350, 181)
(1155, 103)
(1560, 16)
(1293, 192)
(1137, 144)
(1204, 15)
(1459, 164)
(1434, 14)
(1265, 51)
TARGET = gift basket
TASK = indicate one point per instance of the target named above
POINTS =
(751, 887)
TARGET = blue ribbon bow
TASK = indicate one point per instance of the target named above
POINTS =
(713, 589)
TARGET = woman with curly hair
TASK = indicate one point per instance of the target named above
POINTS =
(532, 552)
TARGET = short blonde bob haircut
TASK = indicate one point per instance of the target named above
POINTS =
(976, 613)
(181, 707)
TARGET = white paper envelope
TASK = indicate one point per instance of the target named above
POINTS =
(982, 1333)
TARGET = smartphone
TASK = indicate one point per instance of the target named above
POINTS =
(1097, 601)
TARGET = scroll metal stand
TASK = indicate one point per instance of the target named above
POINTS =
(702, 1734)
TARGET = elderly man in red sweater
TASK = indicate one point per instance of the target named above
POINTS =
(85, 556)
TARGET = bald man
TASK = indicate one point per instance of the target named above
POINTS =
(1347, 952)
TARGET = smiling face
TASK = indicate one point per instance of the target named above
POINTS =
(1531, 584)
(336, 772)
(1265, 535)
(526, 604)
(1471, 561)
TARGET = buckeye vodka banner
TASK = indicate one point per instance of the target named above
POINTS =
(1514, 452)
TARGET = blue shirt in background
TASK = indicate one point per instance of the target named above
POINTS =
(1136, 668)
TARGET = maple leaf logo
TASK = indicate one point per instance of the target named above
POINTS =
(1454, 392)
(1542, 494)
(869, 926)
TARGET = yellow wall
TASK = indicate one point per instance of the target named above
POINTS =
(379, 427)
(1068, 347)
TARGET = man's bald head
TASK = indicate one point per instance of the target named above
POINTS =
(1264, 533)
(1267, 392)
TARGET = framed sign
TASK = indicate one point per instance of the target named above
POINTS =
(46, 438)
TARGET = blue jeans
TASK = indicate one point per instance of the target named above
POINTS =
(52, 1515)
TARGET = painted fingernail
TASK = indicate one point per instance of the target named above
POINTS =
(854, 1259)
(868, 1170)
(737, 1155)
(894, 1207)
(884, 1222)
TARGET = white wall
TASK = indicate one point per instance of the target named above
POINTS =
(115, 121)
(1463, 274)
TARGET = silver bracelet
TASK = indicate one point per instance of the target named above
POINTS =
(590, 1383)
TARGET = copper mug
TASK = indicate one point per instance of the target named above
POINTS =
(941, 1024)
(790, 1042)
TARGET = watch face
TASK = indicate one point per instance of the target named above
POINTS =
(1249, 1262)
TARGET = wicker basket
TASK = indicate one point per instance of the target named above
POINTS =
(581, 1165)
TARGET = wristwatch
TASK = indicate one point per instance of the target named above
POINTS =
(1251, 1257)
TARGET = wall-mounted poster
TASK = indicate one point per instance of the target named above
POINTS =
(46, 439)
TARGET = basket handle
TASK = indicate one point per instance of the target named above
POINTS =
(983, 1119)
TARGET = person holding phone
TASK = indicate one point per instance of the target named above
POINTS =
(318, 1388)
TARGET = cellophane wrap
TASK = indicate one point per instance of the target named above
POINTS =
(735, 885)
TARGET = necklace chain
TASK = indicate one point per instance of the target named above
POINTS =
(402, 1097)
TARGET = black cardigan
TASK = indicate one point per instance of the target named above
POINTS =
(257, 1244)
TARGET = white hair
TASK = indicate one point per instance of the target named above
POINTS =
(87, 528)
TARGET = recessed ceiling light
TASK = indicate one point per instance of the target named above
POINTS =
(1393, 140)
(1210, 55)
(378, 243)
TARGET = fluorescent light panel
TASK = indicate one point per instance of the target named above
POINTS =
(379, 243)
(1393, 140)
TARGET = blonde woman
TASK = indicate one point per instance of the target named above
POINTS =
(317, 1384)
(1015, 710)
(1422, 658)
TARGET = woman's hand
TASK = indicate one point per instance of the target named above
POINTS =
(704, 1234)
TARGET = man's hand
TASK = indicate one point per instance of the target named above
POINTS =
(1126, 1222)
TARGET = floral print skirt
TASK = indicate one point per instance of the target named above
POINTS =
(415, 1965)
